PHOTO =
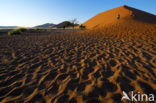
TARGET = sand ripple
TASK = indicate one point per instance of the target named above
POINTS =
(74, 68)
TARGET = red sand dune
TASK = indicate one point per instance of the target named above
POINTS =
(125, 12)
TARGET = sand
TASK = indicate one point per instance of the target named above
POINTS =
(74, 68)
(110, 17)
(93, 66)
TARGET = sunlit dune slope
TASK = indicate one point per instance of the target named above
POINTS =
(118, 14)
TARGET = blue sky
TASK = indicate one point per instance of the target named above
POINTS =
(34, 12)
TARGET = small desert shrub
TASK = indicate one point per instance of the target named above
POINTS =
(49, 30)
(66, 24)
(82, 27)
(38, 29)
(22, 29)
(14, 32)
(17, 31)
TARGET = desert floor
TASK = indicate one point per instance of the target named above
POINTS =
(74, 68)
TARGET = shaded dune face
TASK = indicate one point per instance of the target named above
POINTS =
(125, 12)
(93, 66)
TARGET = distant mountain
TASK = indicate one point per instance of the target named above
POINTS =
(8, 27)
(47, 25)
(51, 25)
(60, 25)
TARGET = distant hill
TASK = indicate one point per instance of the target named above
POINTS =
(60, 25)
(8, 27)
(51, 25)
(47, 25)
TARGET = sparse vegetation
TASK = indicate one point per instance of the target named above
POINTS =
(22, 29)
(66, 24)
(82, 27)
(38, 29)
(14, 32)
(17, 31)
(49, 30)
(74, 22)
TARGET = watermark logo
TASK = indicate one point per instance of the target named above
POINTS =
(125, 96)
(137, 97)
